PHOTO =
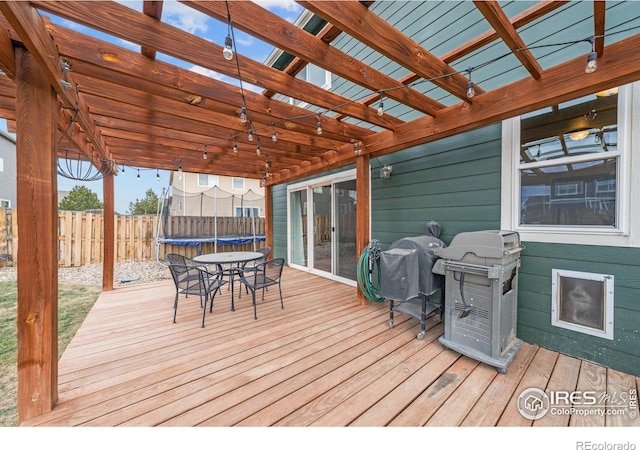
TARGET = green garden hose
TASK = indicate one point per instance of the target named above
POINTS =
(368, 268)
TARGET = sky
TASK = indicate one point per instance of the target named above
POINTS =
(128, 188)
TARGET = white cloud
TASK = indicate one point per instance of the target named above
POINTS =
(284, 5)
(209, 73)
(185, 18)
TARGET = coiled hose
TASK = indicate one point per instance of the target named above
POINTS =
(368, 268)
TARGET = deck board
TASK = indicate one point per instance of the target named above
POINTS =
(323, 360)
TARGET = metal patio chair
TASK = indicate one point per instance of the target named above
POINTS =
(196, 280)
(263, 275)
(248, 267)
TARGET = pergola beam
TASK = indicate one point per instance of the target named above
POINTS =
(28, 24)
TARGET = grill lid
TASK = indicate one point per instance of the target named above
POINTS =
(483, 244)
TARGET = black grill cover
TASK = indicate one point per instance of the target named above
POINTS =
(405, 267)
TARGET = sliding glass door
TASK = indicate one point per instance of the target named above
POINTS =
(298, 227)
(322, 226)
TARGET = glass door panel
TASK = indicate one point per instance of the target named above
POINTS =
(298, 227)
(322, 228)
(345, 229)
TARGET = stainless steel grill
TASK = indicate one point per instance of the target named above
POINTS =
(481, 292)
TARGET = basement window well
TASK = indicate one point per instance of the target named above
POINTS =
(582, 302)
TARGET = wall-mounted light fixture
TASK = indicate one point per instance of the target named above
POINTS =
(385, 171)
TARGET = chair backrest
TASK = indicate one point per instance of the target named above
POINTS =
(265, 254)
(187, 278)
(175, 258)
(272, 269)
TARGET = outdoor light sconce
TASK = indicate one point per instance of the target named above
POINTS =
(385, 171)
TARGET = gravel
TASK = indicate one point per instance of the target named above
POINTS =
(125, 273)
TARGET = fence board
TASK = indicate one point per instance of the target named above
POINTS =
(81, 235)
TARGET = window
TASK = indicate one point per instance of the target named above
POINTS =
(315, 75)
(566, 171)
(247, 212)
(1, 165)
(237, 183)
(5, 203)
(207, 180)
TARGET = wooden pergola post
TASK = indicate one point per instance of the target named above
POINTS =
(37, 194)
(363, 213)
(108, 231)
(268, 217)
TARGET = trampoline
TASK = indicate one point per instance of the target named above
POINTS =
(212, 216)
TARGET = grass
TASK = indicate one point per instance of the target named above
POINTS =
(74, 302)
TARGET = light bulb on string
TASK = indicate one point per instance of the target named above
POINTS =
(227, 52)
(235, 147)
(138, 177)
(258, 150)
(204, 153)
(157, 174)
(380, 106)
(243, 114)
(592, 58)
(471, 92)
(274, 137)
(180, 172)
(319, 128)
(250, 136)
(592, 62)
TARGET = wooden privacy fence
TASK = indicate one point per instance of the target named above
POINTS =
(81, 235)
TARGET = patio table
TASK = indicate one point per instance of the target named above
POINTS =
(230, 260)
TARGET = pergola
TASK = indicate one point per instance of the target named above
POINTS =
(130, 108)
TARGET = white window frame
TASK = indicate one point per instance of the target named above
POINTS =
(233, 181)
(627, 231)
(248, 210)
(1, 164)
(210, 178)
(4, 201)
(326, 85)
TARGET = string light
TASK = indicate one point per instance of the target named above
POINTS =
(250, 136)
(158, 174)
(380, 106)
(138, 177)
(592, 59)
(258, 150)
(319, 129)
(471, 92)
(204, 153)
(274, 137)
(180, 172)
(227, 52)
(243, 114)
(235, 147)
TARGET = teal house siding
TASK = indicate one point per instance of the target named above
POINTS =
(534, 302)
(454, 181)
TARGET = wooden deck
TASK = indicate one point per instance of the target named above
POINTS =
(322, 361)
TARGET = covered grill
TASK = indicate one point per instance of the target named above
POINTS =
(407, 279)
(481, 285)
